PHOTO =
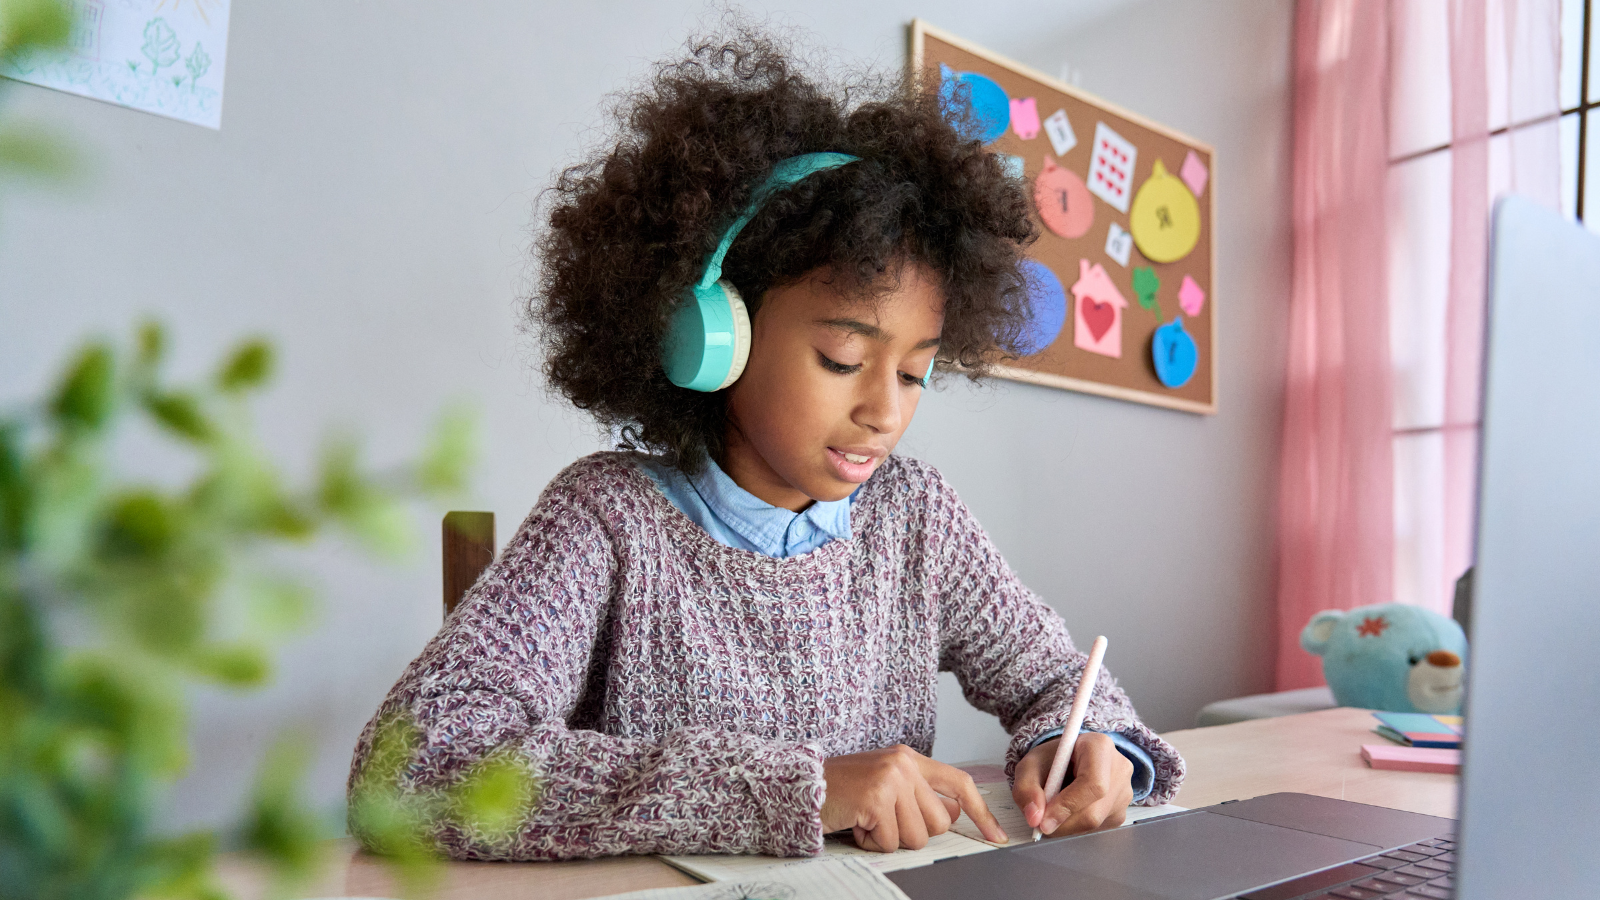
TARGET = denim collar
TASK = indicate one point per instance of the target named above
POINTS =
(770, 529)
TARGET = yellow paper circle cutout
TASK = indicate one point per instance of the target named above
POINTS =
(1164, 218)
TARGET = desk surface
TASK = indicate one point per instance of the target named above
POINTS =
(1312, 753)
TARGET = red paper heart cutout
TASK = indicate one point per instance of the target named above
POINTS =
(1098, 316)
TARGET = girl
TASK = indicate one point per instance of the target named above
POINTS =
(730, 643)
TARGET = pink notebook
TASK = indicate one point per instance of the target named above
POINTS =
(1412, 759)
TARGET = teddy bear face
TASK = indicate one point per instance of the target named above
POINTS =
(1390, 657)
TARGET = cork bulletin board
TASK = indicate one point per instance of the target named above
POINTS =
(1120, 281)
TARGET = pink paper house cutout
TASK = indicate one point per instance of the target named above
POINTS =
(1097, 308)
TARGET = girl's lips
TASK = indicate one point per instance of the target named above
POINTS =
(854, 472)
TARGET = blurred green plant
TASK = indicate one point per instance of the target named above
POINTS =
(28, 27)
(116, 595)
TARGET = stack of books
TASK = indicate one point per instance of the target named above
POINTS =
(1426, 743)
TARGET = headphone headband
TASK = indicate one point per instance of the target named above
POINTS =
(708, 335)
(784, 174)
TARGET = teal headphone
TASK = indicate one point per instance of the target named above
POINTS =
(708, 336)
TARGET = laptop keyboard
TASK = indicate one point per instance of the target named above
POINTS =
(1421, 871)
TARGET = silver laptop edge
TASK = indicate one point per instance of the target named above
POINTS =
(1530, 823)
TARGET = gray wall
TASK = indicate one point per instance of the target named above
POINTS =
(367, 204)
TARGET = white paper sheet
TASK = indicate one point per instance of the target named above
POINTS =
(736, 868)
(998, 798)
(962, 839)
(161, 56)
(831, 879)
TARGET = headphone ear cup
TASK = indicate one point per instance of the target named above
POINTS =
(741, 332)
(708, 339)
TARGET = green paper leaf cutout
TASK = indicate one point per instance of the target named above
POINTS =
(1145, 284)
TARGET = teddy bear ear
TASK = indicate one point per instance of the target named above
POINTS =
(1319, 630)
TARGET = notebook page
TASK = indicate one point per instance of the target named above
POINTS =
(736, 868)
(829, 879)
(962, 839)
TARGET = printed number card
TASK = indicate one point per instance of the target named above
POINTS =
(1120, 283)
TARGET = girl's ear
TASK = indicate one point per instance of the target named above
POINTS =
(1319, 630)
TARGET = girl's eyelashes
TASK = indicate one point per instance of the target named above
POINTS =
(837, 368)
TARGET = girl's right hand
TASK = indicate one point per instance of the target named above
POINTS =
(896, 797)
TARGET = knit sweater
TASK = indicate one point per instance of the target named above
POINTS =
(676, 695)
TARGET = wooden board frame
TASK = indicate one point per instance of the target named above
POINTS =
(917, 33)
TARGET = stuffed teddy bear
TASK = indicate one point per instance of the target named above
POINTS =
(1391, 657)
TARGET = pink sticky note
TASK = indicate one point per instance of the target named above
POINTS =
(1412, 759)
(1191, 296)
(1025, 118)
(1193, 173)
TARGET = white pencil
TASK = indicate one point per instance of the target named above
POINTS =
(1069, 734)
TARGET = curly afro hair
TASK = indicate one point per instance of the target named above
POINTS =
(630, 229)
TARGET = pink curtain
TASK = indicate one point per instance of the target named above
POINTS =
(1336, 502)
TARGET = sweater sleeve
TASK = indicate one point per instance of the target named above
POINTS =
(1011, 652)
(522, 655)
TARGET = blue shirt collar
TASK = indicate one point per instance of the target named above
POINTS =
(770, 529)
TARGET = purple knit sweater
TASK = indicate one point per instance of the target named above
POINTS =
(675, 695)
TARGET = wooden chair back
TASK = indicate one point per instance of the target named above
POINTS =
(468, 550)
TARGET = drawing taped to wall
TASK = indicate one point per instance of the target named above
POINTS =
(161, 56)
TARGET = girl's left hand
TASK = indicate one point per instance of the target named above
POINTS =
(1098, 788)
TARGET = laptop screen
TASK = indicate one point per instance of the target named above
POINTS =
(1529, 824)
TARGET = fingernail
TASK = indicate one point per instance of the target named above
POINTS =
(1031, 810)
(1048, 826)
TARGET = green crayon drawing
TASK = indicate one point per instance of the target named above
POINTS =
(197, 63)
(160, 44)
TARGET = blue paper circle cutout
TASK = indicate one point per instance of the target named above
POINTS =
(1174, 353)
(1047, 308)
(988, 106)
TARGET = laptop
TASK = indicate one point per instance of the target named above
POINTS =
(1530, 823)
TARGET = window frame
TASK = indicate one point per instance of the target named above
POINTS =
(1585, 105)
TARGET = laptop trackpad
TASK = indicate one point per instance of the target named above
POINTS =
(1198, 856)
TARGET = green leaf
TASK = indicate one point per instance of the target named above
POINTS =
(136, 709)
(167, 611)
(180, 413)
(35, 154)
(233, 665)
(16, 490)
(278, 606)
(139, 524)
(371, 514)
(450, 454)
(180, 867)
(494, 799)
(151, 345)
(281, 828)
(250, 366)
(87, 394)
(33, 24)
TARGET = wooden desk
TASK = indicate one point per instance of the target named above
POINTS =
(1312, 753)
